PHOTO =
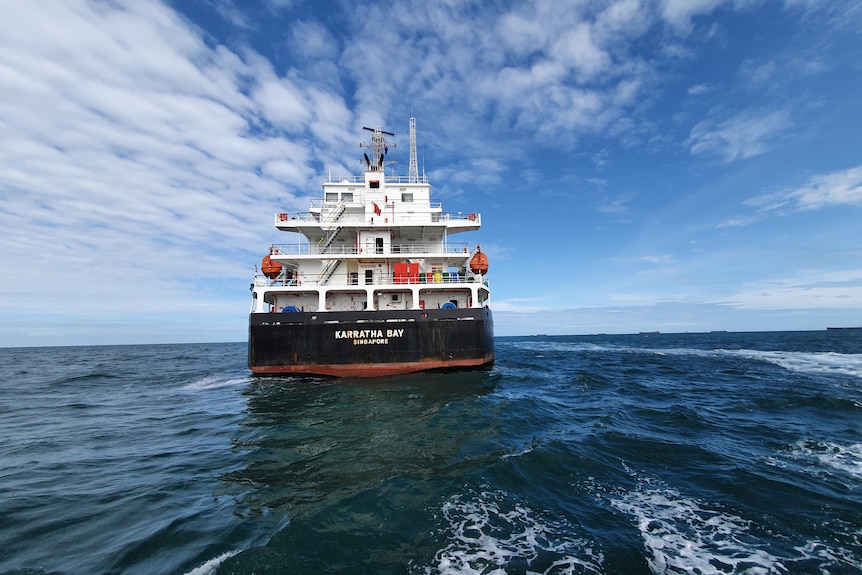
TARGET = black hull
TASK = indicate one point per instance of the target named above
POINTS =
(369, 344)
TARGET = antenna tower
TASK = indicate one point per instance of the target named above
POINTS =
(379, 148)
(413, 171)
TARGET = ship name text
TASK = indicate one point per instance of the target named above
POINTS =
(368, 336)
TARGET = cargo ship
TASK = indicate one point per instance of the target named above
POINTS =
(372, 282)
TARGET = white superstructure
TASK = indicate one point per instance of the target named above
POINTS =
(373, 242)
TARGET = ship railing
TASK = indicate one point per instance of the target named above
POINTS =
(361, 180)
(434, 278)
(404, 248)
(412, 248)
(333, 204)
(419, 217)
(456, 216)
(390, 280)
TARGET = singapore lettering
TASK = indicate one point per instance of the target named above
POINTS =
(368, 336)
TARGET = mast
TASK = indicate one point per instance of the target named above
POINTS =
(378, 148)
(413, 172)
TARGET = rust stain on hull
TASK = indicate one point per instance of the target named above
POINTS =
(368, 369)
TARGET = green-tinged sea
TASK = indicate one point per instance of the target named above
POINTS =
(691, 453)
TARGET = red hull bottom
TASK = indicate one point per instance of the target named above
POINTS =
(369, 369)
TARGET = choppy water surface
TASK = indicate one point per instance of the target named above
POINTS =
(695, 453)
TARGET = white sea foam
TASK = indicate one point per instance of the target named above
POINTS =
(805, 362)
(215, 382)
(820, 552)
(823, 362)
(519, 452)
(829, 457)
(562, 346)
(683, 536)
(486, 531)
(210, 566)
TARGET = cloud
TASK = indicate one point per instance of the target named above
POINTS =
(699, 89)
(814, 290)
(679, 13)
(737, 222)
(547, 73)
(618, 204)
(312, 40)
(843, 188)
(143, 156)
(744, 135)
(131, 145)
(760, 75)
(231, 13)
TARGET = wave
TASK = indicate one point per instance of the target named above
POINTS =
(215, 382)
(806, 362)
(685, 535)
(488, 532)
(818, 457)
(831, 363)
(94, 376)
(209, 568)
(681, 535)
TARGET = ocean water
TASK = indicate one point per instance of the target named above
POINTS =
(691, 453)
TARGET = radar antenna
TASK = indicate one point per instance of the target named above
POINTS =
(379, 148)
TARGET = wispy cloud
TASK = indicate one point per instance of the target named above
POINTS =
(744, 135)
(816, 289)
(679, 13)
(618, 204)
(130, 145)
(699, 89)
(737, 222)
(843, 188)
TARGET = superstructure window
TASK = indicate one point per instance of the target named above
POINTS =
(347, 197)
(331, 197)
(407, 197)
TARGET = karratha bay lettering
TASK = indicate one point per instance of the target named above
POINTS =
(368, 336)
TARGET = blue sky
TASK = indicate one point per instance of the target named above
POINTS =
(640, 165)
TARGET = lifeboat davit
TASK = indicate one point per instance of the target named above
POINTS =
(479, 262)
(270, 267)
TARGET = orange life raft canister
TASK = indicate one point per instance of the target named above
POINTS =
(270, 267)
(479, 262)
